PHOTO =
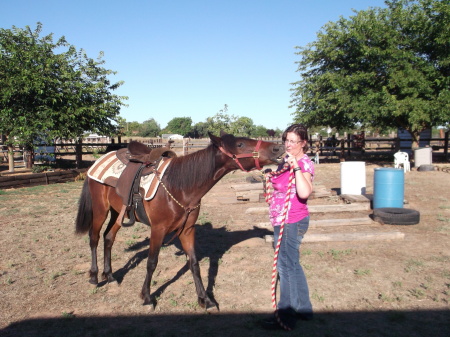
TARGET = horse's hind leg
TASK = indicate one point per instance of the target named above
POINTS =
(108, 238)
(187, 241)
(99, 215)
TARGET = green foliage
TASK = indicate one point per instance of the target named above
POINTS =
(200, 130)
(179, 125)
(383, 68)
(238, 126)
(242, 127)
(148, 128)
(259, 131)
(221, 121)
(45, 93)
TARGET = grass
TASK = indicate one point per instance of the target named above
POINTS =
(413, 265)
(397, 284)
(315, 296)
(443, 218)
(362, 272)
(338, 254)
(57, 274)
(387, 298)
(67, 314)
(417, 292)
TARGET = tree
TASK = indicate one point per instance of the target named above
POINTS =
(242, 127)
(261, 131)
(221, 121)
(149, 128)
(179, 125)
(133, 128)
(200, 130)
(385, 68)
(49, 94)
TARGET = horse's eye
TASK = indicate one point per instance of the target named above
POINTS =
(240, 145)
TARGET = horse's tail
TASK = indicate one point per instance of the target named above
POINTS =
(84, 217)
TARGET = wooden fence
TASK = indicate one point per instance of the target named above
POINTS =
(329, 149)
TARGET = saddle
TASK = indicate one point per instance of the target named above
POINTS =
(139, 160)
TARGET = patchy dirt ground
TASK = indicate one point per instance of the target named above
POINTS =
(398, 287)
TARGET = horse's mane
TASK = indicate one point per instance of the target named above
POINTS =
(192, 170)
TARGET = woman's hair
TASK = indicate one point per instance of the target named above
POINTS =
(301, 131)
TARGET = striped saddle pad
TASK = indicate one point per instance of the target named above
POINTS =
(108, 168)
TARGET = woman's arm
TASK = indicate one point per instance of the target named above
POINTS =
(303, 183)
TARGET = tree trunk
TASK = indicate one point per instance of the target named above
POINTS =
(29, 157)
(415, 138)
(11, 158)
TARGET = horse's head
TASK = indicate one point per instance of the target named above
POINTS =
(248, 153)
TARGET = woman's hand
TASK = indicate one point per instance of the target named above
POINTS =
(292, 161)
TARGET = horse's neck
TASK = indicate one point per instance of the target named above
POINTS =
(219, 172)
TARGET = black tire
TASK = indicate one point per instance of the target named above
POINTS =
(396, 216)
(423, 168)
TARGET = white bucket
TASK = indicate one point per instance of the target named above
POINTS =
(353, 177)
(422, 156)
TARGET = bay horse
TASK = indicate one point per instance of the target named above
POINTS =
(174, 208)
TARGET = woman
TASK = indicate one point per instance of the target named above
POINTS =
(294, 302)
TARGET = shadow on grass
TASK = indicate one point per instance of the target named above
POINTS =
(345, 324)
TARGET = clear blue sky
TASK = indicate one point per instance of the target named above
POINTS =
(189, 58)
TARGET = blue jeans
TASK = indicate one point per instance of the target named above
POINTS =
(294, 292)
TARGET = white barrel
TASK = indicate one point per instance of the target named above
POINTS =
(422, 156)
(353, 177)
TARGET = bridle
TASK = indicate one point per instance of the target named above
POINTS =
(254, 154)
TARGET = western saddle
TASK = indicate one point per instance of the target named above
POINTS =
(139, 160)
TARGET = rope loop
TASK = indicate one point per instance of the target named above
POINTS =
(284, 215)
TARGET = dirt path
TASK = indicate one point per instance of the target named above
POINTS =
(358, 288)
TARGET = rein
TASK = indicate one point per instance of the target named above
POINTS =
(187, 210)
(284, 214)
(254, 154)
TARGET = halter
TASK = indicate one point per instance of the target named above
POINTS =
(254, 154)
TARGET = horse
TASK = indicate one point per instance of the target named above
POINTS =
(174, 208)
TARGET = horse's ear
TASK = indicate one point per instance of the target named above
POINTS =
(215, 140)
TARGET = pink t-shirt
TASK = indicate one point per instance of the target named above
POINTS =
(298, 208)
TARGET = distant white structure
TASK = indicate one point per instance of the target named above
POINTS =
(171, 136)
(95, 138)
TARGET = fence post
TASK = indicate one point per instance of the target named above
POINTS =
(320, 145)
(349, 144)
(79, 152)
(342, 154)
(310, 143)
(185, 146)
(446, 145)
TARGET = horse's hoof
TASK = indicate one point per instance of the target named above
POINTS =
(148, 302)
(93, 280)
(207, 304)
(108, 278)
(211, 307)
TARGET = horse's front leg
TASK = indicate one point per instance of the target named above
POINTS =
(156, 240)
(187, 239)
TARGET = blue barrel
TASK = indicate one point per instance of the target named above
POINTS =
(388, 187)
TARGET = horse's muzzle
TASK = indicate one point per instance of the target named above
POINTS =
(281, 153)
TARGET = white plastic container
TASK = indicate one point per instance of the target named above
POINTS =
(353, 177)
(422, 156)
